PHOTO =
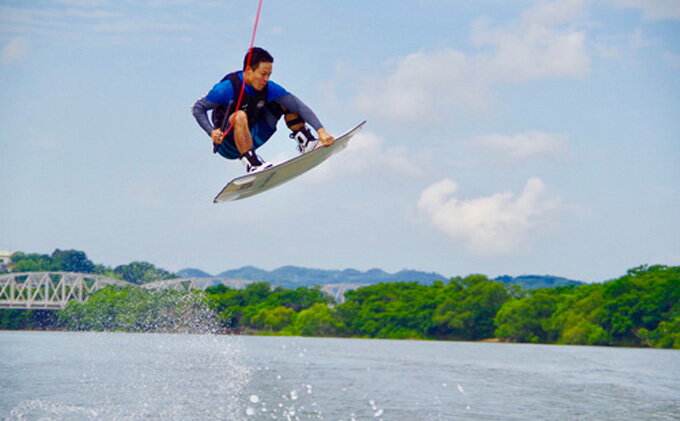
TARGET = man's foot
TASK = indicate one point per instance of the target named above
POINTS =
(254, 163)
(305, 141)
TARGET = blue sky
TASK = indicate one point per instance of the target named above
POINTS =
(503, 137)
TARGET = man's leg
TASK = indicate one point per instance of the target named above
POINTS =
(242, 137)
(293, 121)
(300, 132)
(244, 143)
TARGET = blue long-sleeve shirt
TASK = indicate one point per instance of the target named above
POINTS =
(223, 94)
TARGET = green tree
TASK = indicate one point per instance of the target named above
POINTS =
(60, 260)
(134, 309)
(142, 272)
(273, 319)
(31, 262)
(389, 310)
(577, 317)
(14, 319)
(71, 261)
(639, 301)
(317, 320)
(666, 335)
(252, 306)
(641, 308)
(468, 307)
(584, 333)
(524, 319)
(297, 299)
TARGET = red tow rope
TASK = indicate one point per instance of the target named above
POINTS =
(243, 85)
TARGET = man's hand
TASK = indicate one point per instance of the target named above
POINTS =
(325, 138)
(216, 136)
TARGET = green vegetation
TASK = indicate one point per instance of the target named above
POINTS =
(60, 260)
(259, 307)
(77, 261)
(134, 309)
(27, 319)
(641, 308)
(142, 273)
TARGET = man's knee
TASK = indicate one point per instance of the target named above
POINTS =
(239, 119)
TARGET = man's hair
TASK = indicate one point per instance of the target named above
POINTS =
(260, 55)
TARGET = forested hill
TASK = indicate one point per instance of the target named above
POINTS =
(294, 276)
(537, 281)
(140, 272)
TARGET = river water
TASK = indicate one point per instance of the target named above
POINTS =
(119, 376)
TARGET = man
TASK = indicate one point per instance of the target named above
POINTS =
(262, 105)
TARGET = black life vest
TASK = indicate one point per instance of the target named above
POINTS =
(251, 104)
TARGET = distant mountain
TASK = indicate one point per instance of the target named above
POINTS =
(537, 281)
(294, 277)
(193, 273)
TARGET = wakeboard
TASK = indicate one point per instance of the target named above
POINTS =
(251, 184)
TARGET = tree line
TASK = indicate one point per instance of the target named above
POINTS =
(641, 308)
(77, 261)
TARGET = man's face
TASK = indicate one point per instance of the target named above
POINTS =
(258, 77)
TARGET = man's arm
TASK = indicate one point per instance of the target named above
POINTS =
(295, 104)
(200, 112)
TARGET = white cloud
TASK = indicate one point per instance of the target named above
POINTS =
(14, 50)
(533, 51)
(653, 9)
(540, 44)
(524, 145)
(426, 87)
(488, 226)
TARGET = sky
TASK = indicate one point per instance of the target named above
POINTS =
(502, 137)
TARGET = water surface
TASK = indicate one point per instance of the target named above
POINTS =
(118, 376)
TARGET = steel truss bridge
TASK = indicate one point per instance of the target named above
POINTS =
(53, 290)
(49, 290)
(337, 291)
(187, 284)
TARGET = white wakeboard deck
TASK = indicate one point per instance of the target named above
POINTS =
(252, 184)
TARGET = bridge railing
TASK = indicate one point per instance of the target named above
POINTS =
(186, 284)
(49, 290)
(53, 290)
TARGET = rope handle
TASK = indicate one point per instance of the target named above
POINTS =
(243, 85)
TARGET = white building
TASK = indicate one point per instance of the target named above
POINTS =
(5, 259)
